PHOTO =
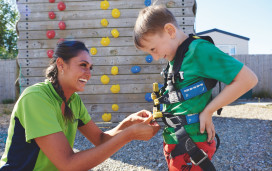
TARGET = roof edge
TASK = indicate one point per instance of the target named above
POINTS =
(222, 31)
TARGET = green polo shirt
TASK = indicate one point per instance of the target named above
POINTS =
(202, 60)
(38, 113)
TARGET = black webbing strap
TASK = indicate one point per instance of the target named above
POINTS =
(174, 120)
(186, 145)
(180, 54)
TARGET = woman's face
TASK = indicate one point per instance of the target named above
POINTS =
(76, 73)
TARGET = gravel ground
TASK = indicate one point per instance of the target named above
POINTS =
(244, 129)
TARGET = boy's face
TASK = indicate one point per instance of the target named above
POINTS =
(160, 45)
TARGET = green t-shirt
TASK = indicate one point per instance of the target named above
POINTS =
(38, 113)
(202, 60)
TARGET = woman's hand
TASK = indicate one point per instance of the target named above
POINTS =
(138, 117)
(144, 130)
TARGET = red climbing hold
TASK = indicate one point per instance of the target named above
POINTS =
(50, 34)
(61, 6)
(51, 1)
(50, 53)
(60, 40)
(62, 25)
(51, 15)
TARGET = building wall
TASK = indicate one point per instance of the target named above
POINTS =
(224, 39)
(82, 18)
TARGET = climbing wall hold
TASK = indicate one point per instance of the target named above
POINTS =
(115, 33)
(149, 58)
(147, 2)
(93, 51)
(104, 5)
(51, 15)
(106, 117)
(135, 69)
(62, 25)
(50, 34)
(50, 53)
(115, 13)
(105, 41)
(61, 6)
(148, 97)
(104, 22)
(115, 88)
(105, 79)
(114, 70)
(115, 107)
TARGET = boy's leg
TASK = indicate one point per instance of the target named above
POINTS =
(176, 163)
(180, 162)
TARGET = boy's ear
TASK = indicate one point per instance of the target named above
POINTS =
(170, 29)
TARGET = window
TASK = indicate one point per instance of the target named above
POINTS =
(228, 49)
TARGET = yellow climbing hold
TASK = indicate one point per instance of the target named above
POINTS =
(93, 51)
(105, 41)
(106, 117)
(115, 13)
(115, 88)
(114, 70)
(104, 22)
(115, 107)
(115, 33)
(104, 4)
(105, 79)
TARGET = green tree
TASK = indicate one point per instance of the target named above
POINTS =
(8, 36)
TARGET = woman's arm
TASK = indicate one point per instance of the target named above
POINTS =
(96, 136)
(58, 150)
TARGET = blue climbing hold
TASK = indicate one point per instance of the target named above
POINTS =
(149, 58)
(148, 97)
(147, 2)
(160, 86)
(135, 69)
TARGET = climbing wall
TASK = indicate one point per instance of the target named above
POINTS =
(122, 77)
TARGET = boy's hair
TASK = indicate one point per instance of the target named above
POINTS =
(151, 20)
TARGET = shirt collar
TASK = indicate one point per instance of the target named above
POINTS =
(56, 95)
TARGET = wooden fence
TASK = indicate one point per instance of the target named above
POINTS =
(7, 79)
(261, 65)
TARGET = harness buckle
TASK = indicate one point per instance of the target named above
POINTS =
(200, 161)
(173, 79)
(156, 102)
(181, 75)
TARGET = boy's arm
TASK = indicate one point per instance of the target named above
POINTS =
(243, 82)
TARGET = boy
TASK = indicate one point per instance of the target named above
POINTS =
(156, 32)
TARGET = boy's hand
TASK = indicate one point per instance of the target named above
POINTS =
(206, 123)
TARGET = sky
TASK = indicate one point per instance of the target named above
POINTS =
(248, 18)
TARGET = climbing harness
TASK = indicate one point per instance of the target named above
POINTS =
(186, 144)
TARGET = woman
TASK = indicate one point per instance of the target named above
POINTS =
(46, 116)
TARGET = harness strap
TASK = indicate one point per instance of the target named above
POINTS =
(180, 54)
(174, 96)
(175, 121)
(186, 145)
